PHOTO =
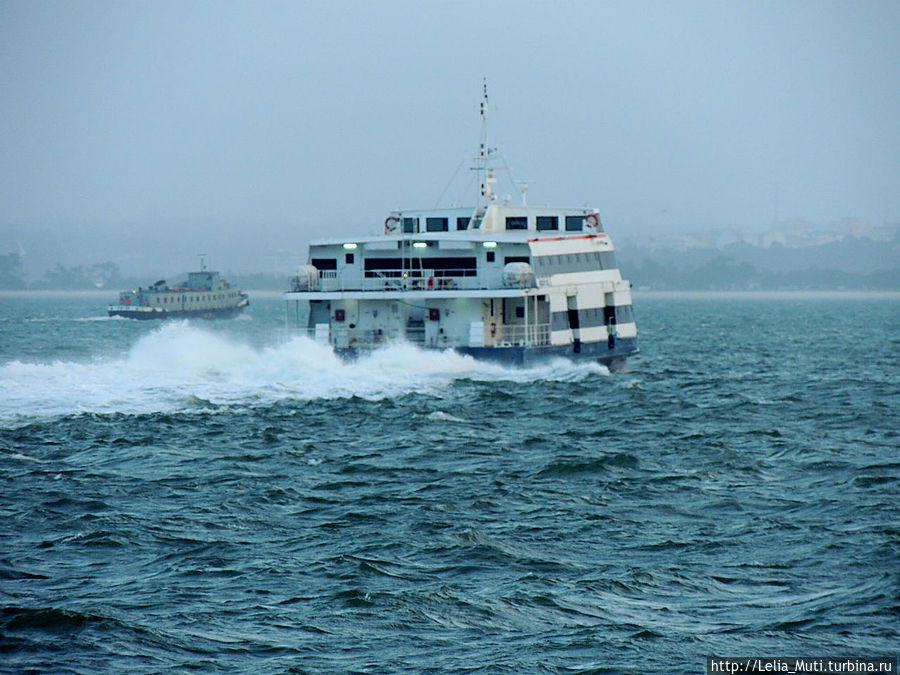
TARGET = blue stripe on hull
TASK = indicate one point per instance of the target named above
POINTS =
(520, 356)
(594, 351)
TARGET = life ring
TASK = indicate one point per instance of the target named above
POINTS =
(390, 224)
(592, 221)
(493, 329)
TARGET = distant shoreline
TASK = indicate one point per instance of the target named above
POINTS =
(770, 294)
(660, 294)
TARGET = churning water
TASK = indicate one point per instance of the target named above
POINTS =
(216, 497)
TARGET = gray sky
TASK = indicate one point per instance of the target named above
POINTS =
(248, 128)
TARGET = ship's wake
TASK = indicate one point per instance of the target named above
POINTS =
(179, 366)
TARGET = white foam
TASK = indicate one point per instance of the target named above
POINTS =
(441, 416)
(180, 366)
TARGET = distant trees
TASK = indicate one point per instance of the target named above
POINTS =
(12, 272)
(718, 273)
(852, 264)
(99, 275)
(724, 273)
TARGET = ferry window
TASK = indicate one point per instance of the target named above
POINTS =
(607, 260)
(324, 263)
(348, 258)
(516, 223)
(410, 224)
(383, 267)
(436, 224)
(462, 223)
(448, 267)
(547, 223)
(574, 223)
(520, 312)
(624, 314)
(516, 258)
(340, 314)
(490, 256)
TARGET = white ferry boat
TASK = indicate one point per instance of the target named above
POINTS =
(516, 284)
(204, 295)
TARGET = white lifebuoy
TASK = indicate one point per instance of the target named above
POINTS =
(390, 224)
(592, 222)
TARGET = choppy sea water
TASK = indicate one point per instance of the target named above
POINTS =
(213, 497)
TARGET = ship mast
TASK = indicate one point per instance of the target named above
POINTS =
(484, 165)
(486, 172)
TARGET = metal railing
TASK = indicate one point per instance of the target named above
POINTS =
(413, 280)
(532, 335)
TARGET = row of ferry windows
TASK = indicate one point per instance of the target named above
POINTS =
(433, 224)
(568, 263)
(543, 223)
(543, 264)
(190, 298)
(467, 263)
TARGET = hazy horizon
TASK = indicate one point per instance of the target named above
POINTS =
(146, 133)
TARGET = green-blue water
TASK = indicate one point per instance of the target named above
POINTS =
(211, 497)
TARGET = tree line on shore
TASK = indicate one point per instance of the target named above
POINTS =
(106, 276)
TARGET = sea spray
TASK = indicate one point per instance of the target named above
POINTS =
(180, 363)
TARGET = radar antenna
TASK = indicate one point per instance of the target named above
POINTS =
(523, 190)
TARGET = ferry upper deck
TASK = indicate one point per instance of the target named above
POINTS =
(455, 252)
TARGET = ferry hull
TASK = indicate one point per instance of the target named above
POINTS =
(613, 357)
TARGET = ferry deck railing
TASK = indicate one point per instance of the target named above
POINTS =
(533, 335)
(412, 280)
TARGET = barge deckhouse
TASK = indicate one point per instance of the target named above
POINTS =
(511, 283)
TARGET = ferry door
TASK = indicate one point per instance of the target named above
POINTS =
(574, 322)
(492, 316)
(609, 319)
(350, 269)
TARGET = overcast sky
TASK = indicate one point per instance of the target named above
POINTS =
(151, 124)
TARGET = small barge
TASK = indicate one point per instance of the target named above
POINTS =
(204, 295)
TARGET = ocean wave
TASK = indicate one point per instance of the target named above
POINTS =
(182, 367)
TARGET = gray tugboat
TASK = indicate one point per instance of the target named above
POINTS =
(205, 295)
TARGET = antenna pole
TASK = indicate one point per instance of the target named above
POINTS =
(487, 174)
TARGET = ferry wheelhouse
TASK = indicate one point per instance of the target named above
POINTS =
(503, 282)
